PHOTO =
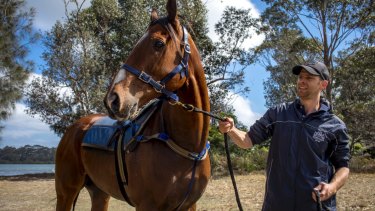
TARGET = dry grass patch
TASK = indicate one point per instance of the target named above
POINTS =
(357, 194)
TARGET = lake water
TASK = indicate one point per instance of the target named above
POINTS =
(20, 169)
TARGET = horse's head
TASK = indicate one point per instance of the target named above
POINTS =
(156, 66)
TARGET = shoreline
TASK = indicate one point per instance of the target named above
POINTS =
(28, 177)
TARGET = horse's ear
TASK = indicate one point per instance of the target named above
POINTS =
(172, 11)
(154, 15)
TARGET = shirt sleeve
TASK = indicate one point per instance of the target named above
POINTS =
(341, 155)
(262, 129)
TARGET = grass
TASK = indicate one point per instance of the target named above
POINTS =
(39, 194)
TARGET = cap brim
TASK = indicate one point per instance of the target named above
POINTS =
(297, 70)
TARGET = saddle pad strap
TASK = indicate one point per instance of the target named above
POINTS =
(175, 147)
(120, 170)
(183, 152)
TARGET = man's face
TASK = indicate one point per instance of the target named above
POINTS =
(309, 86)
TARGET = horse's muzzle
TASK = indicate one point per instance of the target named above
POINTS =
(117, 109)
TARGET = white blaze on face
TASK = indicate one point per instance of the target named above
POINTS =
(120, 76)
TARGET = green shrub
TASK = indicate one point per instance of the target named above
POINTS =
(243, 161)
(362, 164)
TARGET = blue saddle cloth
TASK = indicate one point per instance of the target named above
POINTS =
(103, 132)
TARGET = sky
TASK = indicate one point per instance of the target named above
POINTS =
(22, 129)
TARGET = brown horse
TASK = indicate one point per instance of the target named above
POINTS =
(158, 177)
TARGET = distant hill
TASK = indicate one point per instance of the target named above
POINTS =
(35, 154)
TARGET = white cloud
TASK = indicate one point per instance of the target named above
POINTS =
(21, 129)
(49, 11)
(243, 110)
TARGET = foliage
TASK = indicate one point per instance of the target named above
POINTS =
(322, 27)
(280, 53)
(254, 159)
(81, 54)
(225, 65)
(362, 164)
(27, 155)
(88, 47)
(15, 35)
(356, 98)
(243, 161)
(340, 34)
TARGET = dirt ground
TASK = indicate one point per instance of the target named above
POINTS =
(38, 193)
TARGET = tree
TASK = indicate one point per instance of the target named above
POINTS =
(192, 12)
(339, 33)
(15, 35)
(281, 53)
(356, 99)
(84, 51)
(328, 25)
(227, 60)
(81, 55)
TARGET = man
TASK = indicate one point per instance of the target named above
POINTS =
(309, 146)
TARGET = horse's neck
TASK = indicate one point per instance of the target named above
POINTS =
(188, 129)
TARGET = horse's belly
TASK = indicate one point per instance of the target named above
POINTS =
(100, 167)
(157, 170)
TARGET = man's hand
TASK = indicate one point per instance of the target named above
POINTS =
(227, 125)
(240, 138)
(326, 191)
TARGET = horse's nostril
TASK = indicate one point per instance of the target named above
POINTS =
(112, 104)
(114, 101)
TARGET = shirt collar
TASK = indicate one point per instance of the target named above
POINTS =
(324, 105)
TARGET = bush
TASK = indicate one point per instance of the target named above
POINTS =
(243, 161)
(362, 164)
(254, 159)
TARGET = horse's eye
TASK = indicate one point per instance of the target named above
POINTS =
(158, 44)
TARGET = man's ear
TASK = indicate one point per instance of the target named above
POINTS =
(324, 84)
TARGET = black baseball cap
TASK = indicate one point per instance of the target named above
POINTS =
(314, 68)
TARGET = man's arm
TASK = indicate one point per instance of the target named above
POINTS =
(338, 180)
(340, 160)
(240, 138)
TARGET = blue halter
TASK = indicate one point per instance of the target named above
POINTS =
(159, 86)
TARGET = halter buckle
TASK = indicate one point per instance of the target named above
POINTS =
(159, 88)
(144, 77)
